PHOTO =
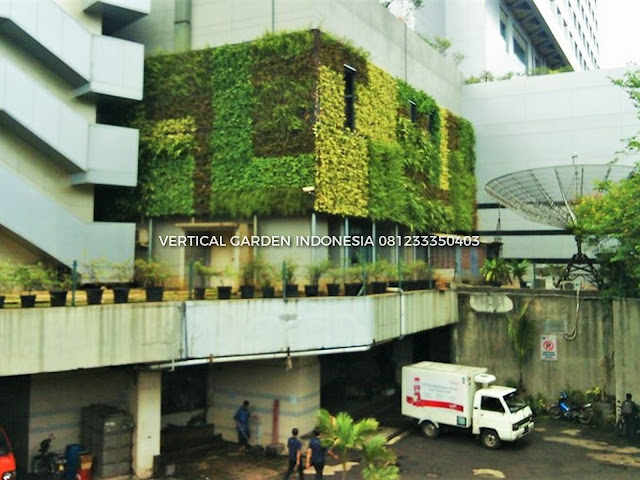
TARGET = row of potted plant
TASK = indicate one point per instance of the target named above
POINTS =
(257, 273)
(28, 279)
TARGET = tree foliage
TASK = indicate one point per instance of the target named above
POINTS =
(610, 221)
(342, 435)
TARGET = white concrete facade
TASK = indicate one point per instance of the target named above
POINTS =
(538, 122)
(55, 67)
(365, 23)
(502, 36)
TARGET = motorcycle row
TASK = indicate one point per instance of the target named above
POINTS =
(565, 409)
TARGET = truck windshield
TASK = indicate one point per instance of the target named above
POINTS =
(514, 402)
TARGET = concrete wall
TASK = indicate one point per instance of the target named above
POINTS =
(297, 388)
(50, 43)
(364, 23)
(626, 314)
(539, 122)
(480, 338)
(57, 399)
(59, 339)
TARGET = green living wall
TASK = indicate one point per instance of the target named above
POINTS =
(239, 130)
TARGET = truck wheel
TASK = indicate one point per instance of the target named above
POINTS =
(490, 439)
(429, 429)
(555, 412)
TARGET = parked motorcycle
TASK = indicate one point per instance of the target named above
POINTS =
(47, 461)
(563, 409)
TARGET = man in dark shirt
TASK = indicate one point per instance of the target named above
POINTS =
(294, 445)
(316, 455)
(242, 425)
(629, 412)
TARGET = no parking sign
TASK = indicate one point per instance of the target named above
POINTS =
(548, 347)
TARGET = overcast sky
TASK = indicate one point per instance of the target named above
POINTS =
(619, 32)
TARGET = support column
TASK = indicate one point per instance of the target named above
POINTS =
(295, 383)
(145, 406)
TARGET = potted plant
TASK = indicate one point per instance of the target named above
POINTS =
(122, 273)
(355, 279)
(519, 269)
(421, 273)
(315, 271)
(59, 283)
(266, 277)
(94, 273)
(204, 273)
(289, 269)
(496, 271)
(224, 291)
(248, 273)
(379, 272)
(30, 278)
(151, 276)
(333, 287)
(6, 281)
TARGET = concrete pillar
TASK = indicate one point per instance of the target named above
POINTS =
(295, 384)
(144, 404)
(402, 355)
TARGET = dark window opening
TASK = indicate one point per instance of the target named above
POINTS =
(413, 112)
(349, 97)
(492, 404)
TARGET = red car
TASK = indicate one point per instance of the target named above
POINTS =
(7, 460)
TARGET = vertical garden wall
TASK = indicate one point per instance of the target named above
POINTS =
(239, 130)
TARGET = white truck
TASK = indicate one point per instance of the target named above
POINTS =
(443, 395)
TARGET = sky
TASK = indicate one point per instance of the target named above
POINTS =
(618, 32)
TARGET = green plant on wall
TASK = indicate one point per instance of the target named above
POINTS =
(239, 130)
(342, 158)
(520, 333)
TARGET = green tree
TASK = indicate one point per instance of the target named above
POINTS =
(343, 435)
(610, 221)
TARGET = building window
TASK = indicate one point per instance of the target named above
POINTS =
(349, 97)
(413, 112)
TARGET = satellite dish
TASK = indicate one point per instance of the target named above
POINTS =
(548, 195)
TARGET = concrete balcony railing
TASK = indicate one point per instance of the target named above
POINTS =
(58, 339)
(90, 63)
(94, 153)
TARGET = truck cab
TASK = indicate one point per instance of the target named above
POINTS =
(500, 415)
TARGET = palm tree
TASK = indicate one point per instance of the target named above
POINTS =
(342, 434)
(379, 462)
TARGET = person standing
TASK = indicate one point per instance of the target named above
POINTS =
(316, 454)
(242, 425)
(294, 445)
(629, 411)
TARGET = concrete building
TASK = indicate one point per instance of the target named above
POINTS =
(59, 66)
(544, 121)
(185, 362)
(502, 36)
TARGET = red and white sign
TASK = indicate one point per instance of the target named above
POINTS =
(548, 347)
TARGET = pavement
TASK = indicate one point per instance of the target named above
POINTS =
(222, 461)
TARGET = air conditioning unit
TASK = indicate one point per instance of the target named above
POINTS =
(570, 285)
(142, 236)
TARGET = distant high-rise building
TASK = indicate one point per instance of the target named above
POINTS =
(501, 36)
